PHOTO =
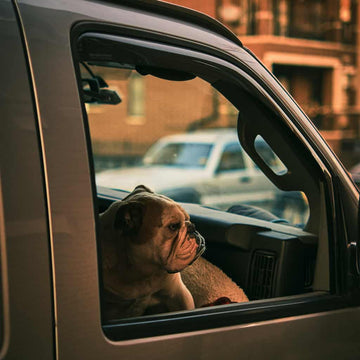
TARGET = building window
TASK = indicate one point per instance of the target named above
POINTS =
(281, 17)
(238, 15)
(311, 88)
(307, 19)
(136, 98)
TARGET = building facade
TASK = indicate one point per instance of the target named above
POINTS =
(312, 47)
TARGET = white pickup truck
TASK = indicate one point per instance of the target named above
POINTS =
(209, 167)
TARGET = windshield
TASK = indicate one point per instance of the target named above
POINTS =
(179, 154)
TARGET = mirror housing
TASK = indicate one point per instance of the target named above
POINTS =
(93, 92)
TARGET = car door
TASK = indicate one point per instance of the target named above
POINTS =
(27, 325)
(317, 320)
(238, 181)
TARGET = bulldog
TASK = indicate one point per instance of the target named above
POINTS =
(147, 239)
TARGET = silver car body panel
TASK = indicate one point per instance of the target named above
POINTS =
(26, 309)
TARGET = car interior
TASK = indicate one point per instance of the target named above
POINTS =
(264, 253)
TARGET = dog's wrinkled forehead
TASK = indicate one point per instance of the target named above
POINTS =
(173, 213)
(160, 207)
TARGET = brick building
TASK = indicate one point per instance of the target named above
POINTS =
(310, 45)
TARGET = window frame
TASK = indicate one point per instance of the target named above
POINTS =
(235, 314)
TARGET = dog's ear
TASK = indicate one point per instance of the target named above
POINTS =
(142, 188)
(129, 217)
(138, 189)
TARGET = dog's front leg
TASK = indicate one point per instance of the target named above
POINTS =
(176, 295)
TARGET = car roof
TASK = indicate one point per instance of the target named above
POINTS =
(204, 136)
(181, 13)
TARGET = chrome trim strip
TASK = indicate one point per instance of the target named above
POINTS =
(44, 165)
(4, 281)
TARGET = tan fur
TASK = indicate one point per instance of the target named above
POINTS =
(208, 283)
(146, 240)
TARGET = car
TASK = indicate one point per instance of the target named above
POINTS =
(83, 79)
(207, 167)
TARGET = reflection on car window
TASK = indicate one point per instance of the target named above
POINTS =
(179, 154)
(269, 157)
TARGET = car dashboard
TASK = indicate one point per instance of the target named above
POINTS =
(266, 259)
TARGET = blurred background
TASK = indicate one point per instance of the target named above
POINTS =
(313, 48)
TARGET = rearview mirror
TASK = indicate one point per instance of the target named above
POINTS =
(93, 93)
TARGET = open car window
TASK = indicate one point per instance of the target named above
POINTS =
(191, 130)
(184, 141)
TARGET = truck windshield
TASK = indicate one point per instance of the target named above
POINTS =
(179, 154)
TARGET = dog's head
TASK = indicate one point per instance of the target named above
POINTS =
(157, 230)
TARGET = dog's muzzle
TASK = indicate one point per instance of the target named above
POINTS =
(200, 241)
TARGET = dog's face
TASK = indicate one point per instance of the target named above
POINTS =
(158, 231)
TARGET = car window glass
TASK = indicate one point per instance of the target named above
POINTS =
(177, 133)
(169, 136)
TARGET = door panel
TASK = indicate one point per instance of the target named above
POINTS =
(27, 322)
(81, 333)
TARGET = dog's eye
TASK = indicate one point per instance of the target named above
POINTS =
(174, 227)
